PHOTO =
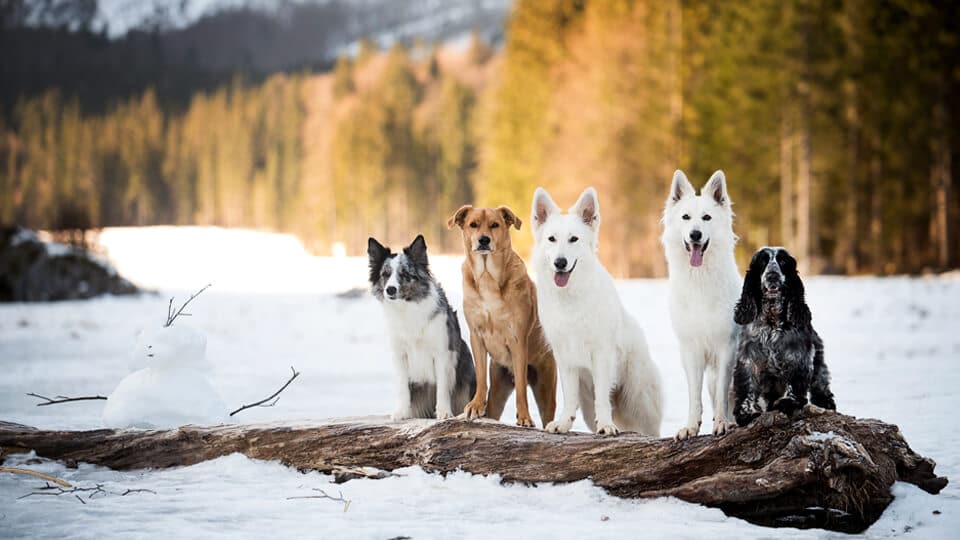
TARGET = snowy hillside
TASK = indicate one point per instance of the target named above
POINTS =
(891, 344)
(382, 20)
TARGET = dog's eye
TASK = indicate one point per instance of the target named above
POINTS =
(686, 216)
(494, 225)
(474, 225)
(573, 239)
(552, 239)
(706, 217)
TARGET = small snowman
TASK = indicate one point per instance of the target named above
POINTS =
(168, 386)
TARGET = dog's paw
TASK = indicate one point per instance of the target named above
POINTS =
(559, 426)
(607, 429)
(721, 426)
(524, 420)
(475, 409)
(687, 432)
(813, 410)
(744, 418)
(787, 405)
(444, 415)
(401, 414)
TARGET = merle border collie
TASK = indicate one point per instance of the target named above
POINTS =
(779, 355)
(435, 372)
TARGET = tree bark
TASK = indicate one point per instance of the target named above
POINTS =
(820, 470)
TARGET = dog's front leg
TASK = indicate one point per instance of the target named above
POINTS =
(404, 408)
(693, 364)
(721, 409)
(604, 381)
(519, 356)
(477, 407)
(444, 365)
(570, 382)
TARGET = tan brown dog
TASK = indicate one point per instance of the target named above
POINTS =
(500, 305)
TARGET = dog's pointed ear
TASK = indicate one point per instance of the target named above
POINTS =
(679, 188)
(588, 208)
(377, 254)
(749, 304)
(457, 218)
(417, 251)
(716, 189)
(543, 208)
(509, 217)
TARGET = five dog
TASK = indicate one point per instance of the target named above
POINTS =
(575, 315)
(704, 284)
(434, 373)
(780, 355)
(605, 366)
(500, 305)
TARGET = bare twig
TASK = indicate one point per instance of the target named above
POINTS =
(28, 472)
(94, 491)
(324, 495)
(267, 402)
(62, 399)
(172, 316)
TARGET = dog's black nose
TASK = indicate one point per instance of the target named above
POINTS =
(391, 290)
(560, 263)
(696, 235)
(484, 240)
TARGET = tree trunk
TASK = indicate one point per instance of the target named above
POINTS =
(941, 180)
(787, 209)
(820, 470)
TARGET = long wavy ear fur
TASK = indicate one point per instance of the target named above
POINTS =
(749, 304)
(798, 314)
(377, 254)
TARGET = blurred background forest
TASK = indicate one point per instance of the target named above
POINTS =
(834, 120)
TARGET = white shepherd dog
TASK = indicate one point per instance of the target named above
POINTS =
(704, 286)
(601, 352)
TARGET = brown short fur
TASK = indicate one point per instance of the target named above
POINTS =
(500, 305)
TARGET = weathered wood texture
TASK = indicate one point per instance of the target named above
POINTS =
(828, 470)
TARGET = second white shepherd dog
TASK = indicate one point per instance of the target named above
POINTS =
(704, 286)
(601, 351)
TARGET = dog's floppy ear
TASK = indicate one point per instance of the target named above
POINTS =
(417, 252)
(716, 189)
(458, 216)
(588, 208)
(377, 254)
(749, 304)
(543, 208)
(798, 313)
(509, 217)
(680, 188)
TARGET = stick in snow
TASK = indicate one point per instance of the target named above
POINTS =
(171, 316)
(323, 495)
(62, 399)
(28, 472)
(263, 402)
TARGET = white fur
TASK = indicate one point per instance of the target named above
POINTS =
(598, 346)
(702, 299)
(420, 349)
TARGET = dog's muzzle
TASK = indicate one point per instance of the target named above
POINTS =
(483, 244)
(562, 275)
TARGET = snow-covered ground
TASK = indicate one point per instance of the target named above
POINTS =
(892, 345)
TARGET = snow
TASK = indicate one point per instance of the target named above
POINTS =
(891, 344)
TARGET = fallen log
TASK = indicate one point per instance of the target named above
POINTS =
(821, 470)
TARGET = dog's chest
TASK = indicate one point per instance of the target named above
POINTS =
(491, 318)
(776, 351)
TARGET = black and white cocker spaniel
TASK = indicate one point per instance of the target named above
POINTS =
(779, 355)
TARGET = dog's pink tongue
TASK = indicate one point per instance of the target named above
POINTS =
(696, 255)
(561, 278)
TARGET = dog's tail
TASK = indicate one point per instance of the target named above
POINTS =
(638, 403)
